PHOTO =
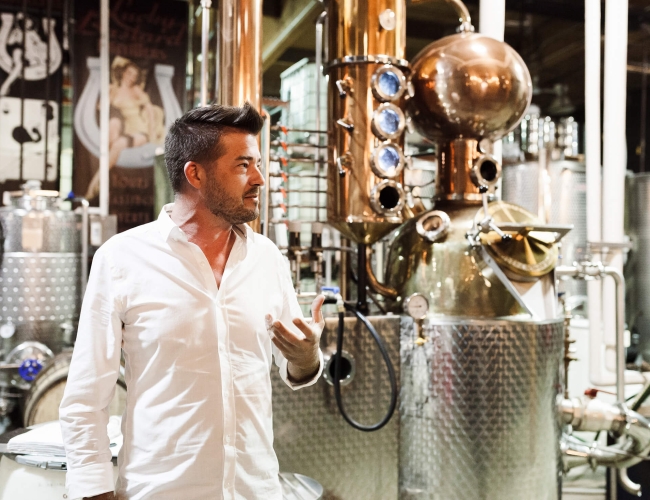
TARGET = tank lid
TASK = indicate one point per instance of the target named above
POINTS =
(30, 191)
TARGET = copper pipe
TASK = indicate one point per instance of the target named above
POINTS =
(374, 283)
(240, 52)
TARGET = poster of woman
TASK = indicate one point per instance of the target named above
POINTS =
(134, 120)
(148, 45)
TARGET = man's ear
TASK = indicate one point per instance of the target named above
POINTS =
(195, 174)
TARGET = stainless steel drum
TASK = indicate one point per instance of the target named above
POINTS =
(46, 392)
(40, 286)
(477, 412)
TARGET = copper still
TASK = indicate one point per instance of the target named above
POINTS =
(476, 277)
(366, 93)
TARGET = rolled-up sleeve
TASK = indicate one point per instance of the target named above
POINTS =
(91, 384)
(291, 310)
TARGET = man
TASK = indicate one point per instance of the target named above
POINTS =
(190, 301)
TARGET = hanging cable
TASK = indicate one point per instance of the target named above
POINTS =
(342, 306)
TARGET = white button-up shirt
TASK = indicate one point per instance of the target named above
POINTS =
(198, 420)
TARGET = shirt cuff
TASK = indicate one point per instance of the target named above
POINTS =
(284, 373)
(90, 480)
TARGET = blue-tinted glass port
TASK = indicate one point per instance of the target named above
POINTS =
(388, 121)
(388, 160)
(388, 84)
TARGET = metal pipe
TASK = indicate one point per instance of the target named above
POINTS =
(344, 269)
(301, 175)
(614, 153)
(492, 22)
(240, 52)
(594, 183)
(205, 48)
(464, 17)
(286, 130)
(596, 415)
(104, 108)
(299, 160)
(362, 293)
(374, 283)
(642, 439)
(84, 244)
(628, 485)
(620, 330)
(266, 161)
(319, 75)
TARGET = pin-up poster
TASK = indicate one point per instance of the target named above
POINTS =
(148, 47)
(31, 62)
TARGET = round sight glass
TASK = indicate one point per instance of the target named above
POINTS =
(389, 84)
(388, 121)
(387, 160)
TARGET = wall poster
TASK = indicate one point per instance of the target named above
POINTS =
(148, 50)
(31, 62)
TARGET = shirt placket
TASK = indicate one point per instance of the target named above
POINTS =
(229, 416)
(227, 387)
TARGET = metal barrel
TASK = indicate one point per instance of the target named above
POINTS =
(477, 412)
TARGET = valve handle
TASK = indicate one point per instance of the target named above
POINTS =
(29, 369)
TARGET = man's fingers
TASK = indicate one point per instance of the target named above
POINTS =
(316, 310)
(281, 344)
(304, 327)
(287, 335)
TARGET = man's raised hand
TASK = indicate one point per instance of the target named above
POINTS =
(301, 351)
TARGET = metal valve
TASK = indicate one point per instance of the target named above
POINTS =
(344, 86)
(348, 126)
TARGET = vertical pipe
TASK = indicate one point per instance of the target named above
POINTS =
(23, 63)
(492, 23)
(319, 75)
(492, 18)
(266, 170)
(362, 279)
(50, 25)
(344, 269)
(85, 225)
(104, 108)
(205, 40)
(644, 106)
(614, 155)
(240, 52)
(594, 186)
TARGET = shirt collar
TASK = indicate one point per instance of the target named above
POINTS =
(168, 227)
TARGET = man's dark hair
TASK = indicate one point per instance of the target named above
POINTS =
(196, 136)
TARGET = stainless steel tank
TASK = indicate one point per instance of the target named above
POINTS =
(478, 418)
(637, 269)
(40, 284)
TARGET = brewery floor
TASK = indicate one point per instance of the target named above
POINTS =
(584, 484)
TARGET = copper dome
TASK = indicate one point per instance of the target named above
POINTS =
(468, 85)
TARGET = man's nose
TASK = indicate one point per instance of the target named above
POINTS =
(257, 178)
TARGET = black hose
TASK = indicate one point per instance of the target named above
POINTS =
(337, 372)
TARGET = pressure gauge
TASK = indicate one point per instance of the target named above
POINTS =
(416, 306)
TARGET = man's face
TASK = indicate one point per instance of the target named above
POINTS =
(234, 180)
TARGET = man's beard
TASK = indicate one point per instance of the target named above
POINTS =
(229, 208)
